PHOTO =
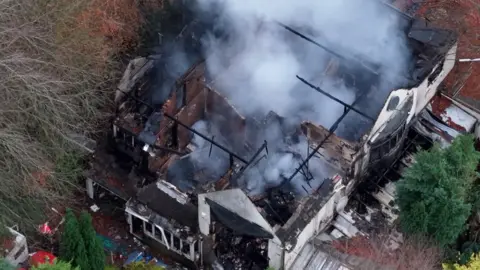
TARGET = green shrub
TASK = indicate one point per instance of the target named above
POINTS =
(434, 193)
(143, 266)
(57, 265)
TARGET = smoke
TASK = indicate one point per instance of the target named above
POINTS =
(258, 60)
(205, 163)
(173, 61)
(254, 63)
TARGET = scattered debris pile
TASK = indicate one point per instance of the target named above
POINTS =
(238, 251)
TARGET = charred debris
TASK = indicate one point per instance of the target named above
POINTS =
(191, 168)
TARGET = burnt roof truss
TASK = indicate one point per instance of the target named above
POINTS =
(303, 167)
(331, 130)
(330, 50)
(232, 155)
(346, 106)
(255, 158)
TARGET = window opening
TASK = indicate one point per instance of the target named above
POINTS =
(181, 98)
(176, 243)
(168, 235)
(185, 248)
(148, 227)
(158, 234)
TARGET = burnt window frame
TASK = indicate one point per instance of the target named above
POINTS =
(177, 243)
(127, 137)
(385, 146)
(148, 227)
(168, 236)
(185, 247)
(158, 233)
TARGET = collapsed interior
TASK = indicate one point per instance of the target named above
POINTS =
(179, 127)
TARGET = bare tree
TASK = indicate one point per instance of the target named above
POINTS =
(412, 253)
(53, 82)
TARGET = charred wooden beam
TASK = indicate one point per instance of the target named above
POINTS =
(206, 138)
(347, 106)
(331, 130)
(166, 149)
(328, 49)
(253, 158)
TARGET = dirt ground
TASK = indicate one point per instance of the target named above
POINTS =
(111, 226)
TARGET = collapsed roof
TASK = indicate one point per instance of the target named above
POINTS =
(178, 125)
(239, 145)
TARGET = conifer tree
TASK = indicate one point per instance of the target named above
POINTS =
(433, 194)
(72, 246)
(93, 245)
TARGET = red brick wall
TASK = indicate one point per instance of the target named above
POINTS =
(189, 114)
(227, 118)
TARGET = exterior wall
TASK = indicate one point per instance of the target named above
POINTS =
(229, 121)
(386, 115)
(168, 239)
(189, 115)
(421, 97)
(275, 253)
(316, 225)
(424, 91)
(193, 86)
(203, 215)
(363, 157)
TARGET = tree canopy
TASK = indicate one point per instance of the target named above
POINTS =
(93, 245)
(433, 194)
(72, 245)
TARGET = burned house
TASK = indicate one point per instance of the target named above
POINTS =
(218, 188)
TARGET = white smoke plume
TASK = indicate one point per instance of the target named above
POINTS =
(256, 62)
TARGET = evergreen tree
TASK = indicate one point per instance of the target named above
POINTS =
(72, 246)
(95, 251)
(433, 194)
